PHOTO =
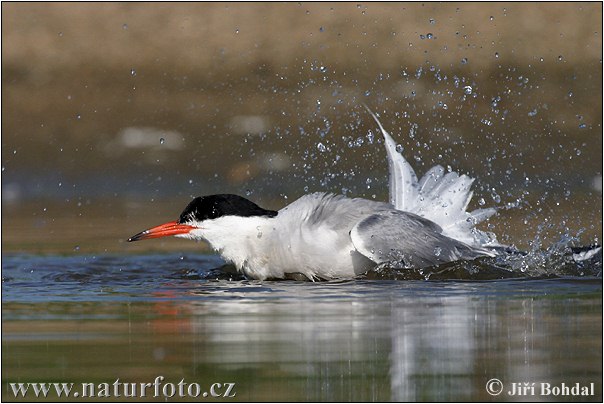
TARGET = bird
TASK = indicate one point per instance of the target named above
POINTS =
(325, 236)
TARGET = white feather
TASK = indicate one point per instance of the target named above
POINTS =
(439, 197)
(403, 187)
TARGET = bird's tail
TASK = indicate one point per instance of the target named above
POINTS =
(439, 196)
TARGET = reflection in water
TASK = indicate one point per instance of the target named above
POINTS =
(436, 342)
(326, 350)
(407, 347)
(370, 340)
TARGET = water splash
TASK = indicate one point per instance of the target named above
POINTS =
(545, 264)
(561, 259)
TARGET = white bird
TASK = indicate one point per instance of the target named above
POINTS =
(327, 236)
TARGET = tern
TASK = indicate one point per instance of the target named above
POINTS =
(324, 236)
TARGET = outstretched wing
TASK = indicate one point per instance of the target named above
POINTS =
(403, 180)
(407, 240)
(438, 196)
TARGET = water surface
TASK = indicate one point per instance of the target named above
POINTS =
(99, 318)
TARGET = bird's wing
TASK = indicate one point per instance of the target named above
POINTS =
(403, 189)
(439, 196)
(407, 240)
(332, 211)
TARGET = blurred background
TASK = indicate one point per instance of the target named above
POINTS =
(114, 115)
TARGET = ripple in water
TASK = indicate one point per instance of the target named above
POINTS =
(28, 278)
(568, 262)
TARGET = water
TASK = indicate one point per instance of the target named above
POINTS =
(97, 318)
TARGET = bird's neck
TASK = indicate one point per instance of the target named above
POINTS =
(242, 241)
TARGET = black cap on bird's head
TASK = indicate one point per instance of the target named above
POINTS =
(205, 208)
(214, 206)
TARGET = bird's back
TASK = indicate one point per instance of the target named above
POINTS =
(330, 236)
(314, 233)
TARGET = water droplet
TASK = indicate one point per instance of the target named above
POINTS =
(468, 90)
(321, 29)
(533, 112)
(578, 152)
(124, 26)
(236, 30)
(60, 34)
(437, 251)
(422, 36)
(248, 192)
(399, 148)
(497, 55)
(496, 197)
(76, 248)
(491, 18)
(429, 35)
(132, 72)
(582, 126)
(367, 93)
(321, 147)
(432, 21)
(78, 116)
(481, 201)
(162, 140)
(560, 58)
(190, 181)
(323, 69)
(464, 61)
(370, 137)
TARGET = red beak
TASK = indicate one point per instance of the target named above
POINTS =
(163, 230)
